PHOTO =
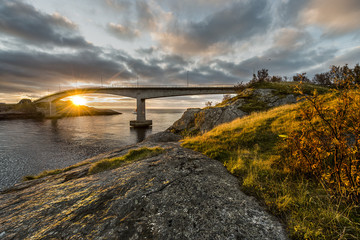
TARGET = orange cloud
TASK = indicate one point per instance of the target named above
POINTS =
(336, 16)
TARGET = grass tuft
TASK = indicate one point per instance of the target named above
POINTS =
(132, 155)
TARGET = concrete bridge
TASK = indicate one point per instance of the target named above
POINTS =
(141, 93)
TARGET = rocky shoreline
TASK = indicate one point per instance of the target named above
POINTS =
(179, 194)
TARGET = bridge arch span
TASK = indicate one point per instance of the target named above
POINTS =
(140, 93)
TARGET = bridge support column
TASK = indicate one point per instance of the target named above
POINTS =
(140, 110)
(140, 115)
(52, 110)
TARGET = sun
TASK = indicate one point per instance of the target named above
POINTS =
(78, 100)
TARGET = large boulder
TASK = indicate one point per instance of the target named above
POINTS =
(179, 194)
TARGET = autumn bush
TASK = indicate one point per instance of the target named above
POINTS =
(263, 151)
(328, 142)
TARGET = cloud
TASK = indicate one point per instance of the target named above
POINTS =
(39, 70)
(209, 75)
(287, 12)
(211, 41)
(146, 51)
(292, 51)
(172, 60)
(287, 62)
(140, 18)
(291, 38)
(350, 57)
(146, 19)
(217, 32)
(23, 22)
(337, 17)
(243, 73)
(119, 5)
(123, 32)
(31, 72)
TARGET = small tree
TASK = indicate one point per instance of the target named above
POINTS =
(263, 75)
(208, 104)
(226, 97)
(276, 79)
(322, 79)
(301, 78)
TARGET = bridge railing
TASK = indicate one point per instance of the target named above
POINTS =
(169, 86)
(66, 88)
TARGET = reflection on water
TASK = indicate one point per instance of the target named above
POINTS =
(28, 147)
(141, 133)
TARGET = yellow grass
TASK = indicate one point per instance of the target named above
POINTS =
(251, 148)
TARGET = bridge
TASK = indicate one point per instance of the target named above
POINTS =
(140, 93)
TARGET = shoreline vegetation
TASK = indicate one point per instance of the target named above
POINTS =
(300, 160)
(26, 109)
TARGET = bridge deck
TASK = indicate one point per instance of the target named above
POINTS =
(144, 92)
(141, 93)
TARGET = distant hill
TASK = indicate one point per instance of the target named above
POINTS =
(68, 109)
(26, 109)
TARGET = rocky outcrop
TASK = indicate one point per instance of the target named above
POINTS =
(179, 194)
(271, 99)
(196, 120)
(162, 137)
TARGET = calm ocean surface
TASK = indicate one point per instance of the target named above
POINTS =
(28, 147)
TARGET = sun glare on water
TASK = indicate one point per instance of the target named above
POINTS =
(78, 100)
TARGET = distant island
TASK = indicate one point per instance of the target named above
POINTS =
(26, 109)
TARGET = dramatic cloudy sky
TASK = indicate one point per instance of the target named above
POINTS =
(47, 45)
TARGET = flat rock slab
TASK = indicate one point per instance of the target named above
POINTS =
(180, 194)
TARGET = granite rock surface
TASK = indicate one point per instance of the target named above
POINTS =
(179, 194)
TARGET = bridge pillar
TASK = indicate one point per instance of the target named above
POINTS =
(52, 110)
(140, 115)
(140, 110)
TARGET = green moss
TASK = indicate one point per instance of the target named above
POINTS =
(254, 105)
(132, 155)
